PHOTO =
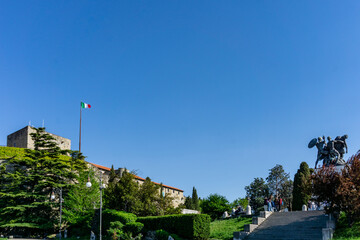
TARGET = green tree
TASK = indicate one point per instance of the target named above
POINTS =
(110, 198)
(215, 205)
(81, 202)
(188, 202)
(302, 187)
(276, 179)
(149, 197)
(165, 205)
(195, 200)
(28, 182)
(122, 194)
(256, 192)
(243, 202)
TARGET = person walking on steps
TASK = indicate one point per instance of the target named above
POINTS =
(270, 204)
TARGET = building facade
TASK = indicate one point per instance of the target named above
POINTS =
(175, 193)
(22, 139)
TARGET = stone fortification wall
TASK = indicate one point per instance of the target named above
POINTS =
(22, 139)
(18, 138)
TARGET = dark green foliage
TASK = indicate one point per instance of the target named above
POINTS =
(286, 193)
(188, 202)
(257, 191)
(188, 226)
(343, 231)
(215, 205)
(118, 230)
(110, 196)
(133, 227)
(302, 187)
(122, 193)
(192, 202)
(116, 224)
(280, 185)
(195, 200)
(277, 180)
(25, 189)
(115, 229)
(110, 215)
(161, 235)
(112, 175)
(148, 198)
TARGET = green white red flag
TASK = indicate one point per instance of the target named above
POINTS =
(85, 105)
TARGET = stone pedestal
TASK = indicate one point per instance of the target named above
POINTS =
(248, 210)
(327, 233)
(249, 227)
(257, 220)
(265, 214)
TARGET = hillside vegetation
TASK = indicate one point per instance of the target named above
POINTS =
(224, 229)
(19, 153)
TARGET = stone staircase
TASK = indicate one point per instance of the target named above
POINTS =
(307, 225)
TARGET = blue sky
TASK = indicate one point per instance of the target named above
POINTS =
(208, 94)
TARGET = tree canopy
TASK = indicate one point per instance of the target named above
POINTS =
(256, 192)
(215, 205)
(302, 187)
(27, 182)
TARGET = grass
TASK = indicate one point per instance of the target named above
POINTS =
(3, 238)
(344, 232)
(223, 229)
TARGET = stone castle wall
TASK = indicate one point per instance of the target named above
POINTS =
(22, 139)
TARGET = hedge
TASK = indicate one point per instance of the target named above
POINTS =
(110, 215)
(189, 226)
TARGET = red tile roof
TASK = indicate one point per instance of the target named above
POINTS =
(136, 177)
(101, 167)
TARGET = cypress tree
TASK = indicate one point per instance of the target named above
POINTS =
(195, 200)
(302, 187)
(112, 174)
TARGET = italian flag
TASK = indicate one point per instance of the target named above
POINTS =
(85, 105)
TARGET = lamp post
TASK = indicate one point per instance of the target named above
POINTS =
(61, 200)
(101, 187)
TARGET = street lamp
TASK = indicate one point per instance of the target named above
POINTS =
(61, 200)
(101, 187)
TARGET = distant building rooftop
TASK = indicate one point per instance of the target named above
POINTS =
(136, 177)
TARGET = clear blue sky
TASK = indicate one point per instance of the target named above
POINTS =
(208, 94)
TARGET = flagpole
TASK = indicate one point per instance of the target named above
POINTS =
(80, 131)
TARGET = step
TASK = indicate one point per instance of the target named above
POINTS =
(290, 226)
(258, 220)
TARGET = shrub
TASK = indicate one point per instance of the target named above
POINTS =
(110, 215)
(189, 226)
(133, 227)
(161, 235)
